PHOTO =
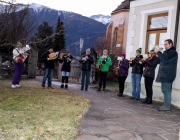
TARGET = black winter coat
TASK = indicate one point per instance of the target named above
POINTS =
(47, 63)
(136, 66)
(86, 64)
(66, 66)
(168, 65)
(150, 66)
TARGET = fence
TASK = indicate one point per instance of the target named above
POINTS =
(76, 71)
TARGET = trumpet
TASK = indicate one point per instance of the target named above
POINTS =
(141, 61)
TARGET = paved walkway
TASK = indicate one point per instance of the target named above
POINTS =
(114, 118)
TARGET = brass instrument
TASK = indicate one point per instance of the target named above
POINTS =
(141, 61)
(130, 61)
(101, 65)
(53, 56)
(117, 68)
(25, 54)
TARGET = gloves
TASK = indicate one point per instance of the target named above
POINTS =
(69, 59)
(104, 61)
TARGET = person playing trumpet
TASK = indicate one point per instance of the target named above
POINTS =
(137, 70)
(86, 61)
(66, 67)
(150, 65)
(48, 59)
(123, 68)
(104, 63)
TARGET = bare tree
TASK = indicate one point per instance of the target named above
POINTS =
(101, 43)
(15, 24)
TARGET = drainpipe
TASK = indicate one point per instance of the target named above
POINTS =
(177, 23)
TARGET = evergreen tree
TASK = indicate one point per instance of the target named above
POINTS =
(59, 39)
(44, 31)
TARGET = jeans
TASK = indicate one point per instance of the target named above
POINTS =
(148, 86)
(65, 73)
(166, 88)
(48, 73)
(85, 74)
(18, 72)
(102, 80)
(136, 85)
(121, 80)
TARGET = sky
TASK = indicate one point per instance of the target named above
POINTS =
(83, 7)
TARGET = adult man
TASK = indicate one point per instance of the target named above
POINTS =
(86, 61)
(137, 70)
(48, 67)
(167, 71)
(104, 63)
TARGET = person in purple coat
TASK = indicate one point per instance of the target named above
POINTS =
(122, 73)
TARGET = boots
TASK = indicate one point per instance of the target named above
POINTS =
(120, 94)
(66, 86)
(66, 82)
(149, 101)
(145, 101)
(62, 85)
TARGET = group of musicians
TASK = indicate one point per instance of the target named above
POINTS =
(140, 66)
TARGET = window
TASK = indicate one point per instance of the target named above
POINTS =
(156, 30)
(121, 22)
(116, 36)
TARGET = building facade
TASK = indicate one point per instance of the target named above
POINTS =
(150, 23)
(117, 29)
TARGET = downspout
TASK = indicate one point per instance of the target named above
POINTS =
(177, 23)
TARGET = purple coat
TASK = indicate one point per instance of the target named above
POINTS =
(123, 68)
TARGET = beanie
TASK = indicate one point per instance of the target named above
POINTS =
(123, 54)
(139, 50)
(88, 50)
(18, 44)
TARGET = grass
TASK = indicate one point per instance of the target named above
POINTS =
(41, 114)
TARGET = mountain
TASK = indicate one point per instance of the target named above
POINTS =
(102, 18)
(76, 26)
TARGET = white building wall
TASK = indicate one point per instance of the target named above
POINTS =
(139, 11)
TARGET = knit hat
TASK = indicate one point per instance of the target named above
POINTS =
(123, 54)
(18, 44)
(88, 50)
(139, 50)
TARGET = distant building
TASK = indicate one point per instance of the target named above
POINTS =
(116, 33)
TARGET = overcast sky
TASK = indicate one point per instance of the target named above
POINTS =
(83, 7)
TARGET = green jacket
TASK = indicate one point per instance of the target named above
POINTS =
(108, 63)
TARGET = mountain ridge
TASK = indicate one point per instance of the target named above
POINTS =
(76, 26)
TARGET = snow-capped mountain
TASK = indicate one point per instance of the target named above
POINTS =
(102, 18)
(76, 26)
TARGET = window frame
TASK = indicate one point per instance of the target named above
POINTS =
(157, 31)
(153, 16)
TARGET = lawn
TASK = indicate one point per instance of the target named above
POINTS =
(32, 113)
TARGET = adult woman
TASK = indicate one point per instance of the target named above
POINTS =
(149, 74)
(19, 58)
(104, 63)
(122, 73)
(65, 69)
